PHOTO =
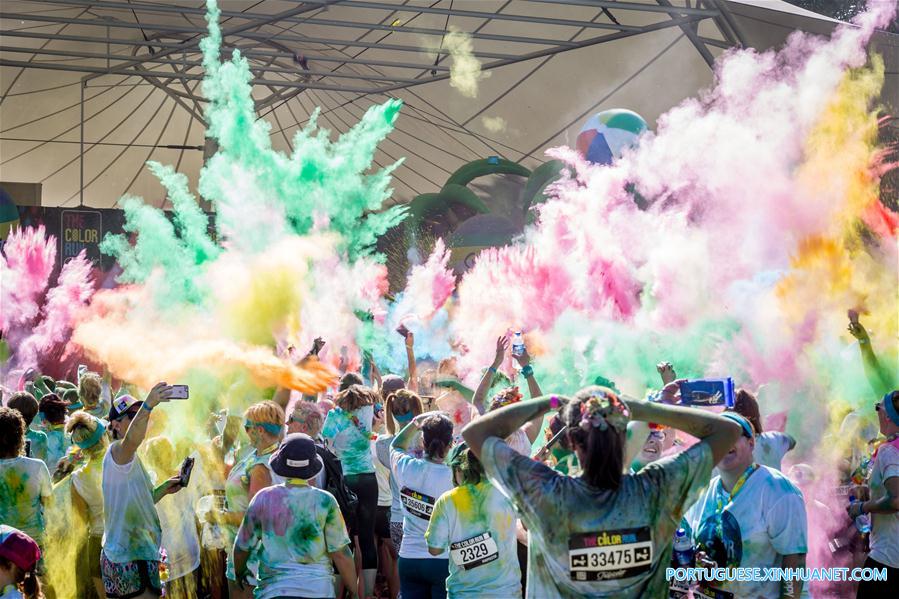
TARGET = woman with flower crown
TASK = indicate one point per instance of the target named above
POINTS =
(604, 533)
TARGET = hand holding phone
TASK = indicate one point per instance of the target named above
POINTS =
(403, 331)
(707, 392)
(180, 392)
(186, 468)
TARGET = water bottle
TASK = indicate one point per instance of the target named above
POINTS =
(683, 549)
(862, 522)
(517, 344)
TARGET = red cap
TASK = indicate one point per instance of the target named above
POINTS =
(18, 548)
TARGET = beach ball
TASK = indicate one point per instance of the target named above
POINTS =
(607, 134)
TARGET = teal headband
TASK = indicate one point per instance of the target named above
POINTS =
(742, 421)
(890, 408)
(94, 438)
(270, 428)
(404, 418)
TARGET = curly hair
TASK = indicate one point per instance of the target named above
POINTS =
(603, 449)
(354, 397)
(26, 404)
(89, 388)
(437, 431)
(12, 433)
(265, 412)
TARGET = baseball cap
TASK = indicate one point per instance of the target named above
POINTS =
(121, 405)
(18, 547)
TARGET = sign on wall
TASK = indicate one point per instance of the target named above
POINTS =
(80, 230)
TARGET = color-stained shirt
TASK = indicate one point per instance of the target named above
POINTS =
(131, 529)
(87, 480)
(290, 530)
(770, 449)
(476, 523)
(884, 527)
(57, 445)
(349, 434)
(590, 542)
(38, 444)
(24, 487)
(420, 482)
(763, 522)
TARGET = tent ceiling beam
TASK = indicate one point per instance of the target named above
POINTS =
(174, 9)
(690, 30)
(256, 68)
(247, 53)
(280, 37)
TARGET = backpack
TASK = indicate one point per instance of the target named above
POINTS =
(335, 484)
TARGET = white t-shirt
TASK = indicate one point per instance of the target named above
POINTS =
(24, 487)
(519, 442)
(420, 483)
(765, 521)
(130, 522)
(884, 527)
(290, 530)
(87, 481)
(770, 449)
(382, 474)
(477, 524)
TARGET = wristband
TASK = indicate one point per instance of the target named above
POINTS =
(145, 406)
(492, 369)
(527, 371)
(554, 402)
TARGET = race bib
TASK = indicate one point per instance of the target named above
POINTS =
(474, 552)
(418, 504)
(610, 554)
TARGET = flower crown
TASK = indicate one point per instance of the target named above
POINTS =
(505, 397)
(603, 409)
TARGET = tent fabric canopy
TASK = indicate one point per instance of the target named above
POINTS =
(547, 66)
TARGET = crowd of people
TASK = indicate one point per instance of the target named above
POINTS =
(380, 489)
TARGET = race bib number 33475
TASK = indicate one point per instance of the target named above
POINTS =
(610, 554)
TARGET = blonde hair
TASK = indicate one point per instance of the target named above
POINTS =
(81, 426)
(89, 388)
(265, 412)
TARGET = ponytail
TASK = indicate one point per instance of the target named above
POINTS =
(437, 431)
(603, 449)
(31, 586)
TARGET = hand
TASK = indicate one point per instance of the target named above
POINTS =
(860, 492)
(317, 344)
(173, 485)
(854, 509)
(419, 420)
(524, 359)
(670, 393)
(502, 344)
(666, 371)
(160, 393)
(410, 340)
(703, 561)
(858, 331)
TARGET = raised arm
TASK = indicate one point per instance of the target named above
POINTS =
(480, 394)
(407, 435)
(881, 380)
(412, 377)
(123, 451)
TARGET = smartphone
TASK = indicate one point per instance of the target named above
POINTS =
(708, 392)
(403, 331)
(180, 392)
(27, 448)
(186, 468)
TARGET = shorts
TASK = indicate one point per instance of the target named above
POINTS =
(382, 522)
(129, 579)
(396, 535)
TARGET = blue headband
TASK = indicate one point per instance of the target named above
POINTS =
(269, 427)
(742, 421)
(404, 418)
(890, 408)
(94, 438)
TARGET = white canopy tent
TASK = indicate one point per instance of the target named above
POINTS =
(92, 89)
